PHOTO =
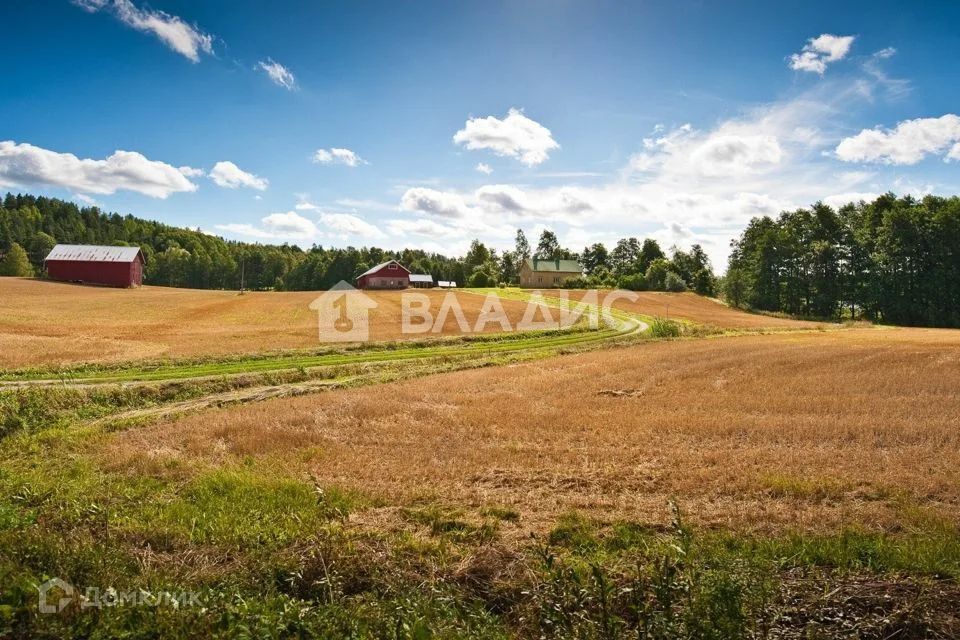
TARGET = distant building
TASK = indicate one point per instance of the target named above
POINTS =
(446, 284)
(93, 264)
(421, 280)
(540, 274)
(388, 275)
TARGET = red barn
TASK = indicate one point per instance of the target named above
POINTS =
(389, 275)
(112, 266)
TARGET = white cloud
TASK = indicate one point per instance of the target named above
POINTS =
(516, 136)
(908, 143)
(276, 226)
(723, 155)
(278, 73)
(484, 168)
(433, 202)
(289, 224)
(187, 40)
(230, 176)
(354, 203)
(191, 172)
(27, 165)
(821, 51)
(338, 156)
(838, 200)
(685, 185)
(422, 227)
(85, 199)
(347, 224)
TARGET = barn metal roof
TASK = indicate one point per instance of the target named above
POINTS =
(93, 253)
(421, 277)
(380, 266)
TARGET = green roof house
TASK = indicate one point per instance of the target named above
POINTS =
(544, 274)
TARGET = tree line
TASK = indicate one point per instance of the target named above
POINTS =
(30, 226)
(631, 264)
(894, 260)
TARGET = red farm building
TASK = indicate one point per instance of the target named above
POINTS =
(92, 264)
(389, 275)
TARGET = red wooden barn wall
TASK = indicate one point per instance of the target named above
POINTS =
(115, 274)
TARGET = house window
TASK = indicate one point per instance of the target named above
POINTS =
(391, 266)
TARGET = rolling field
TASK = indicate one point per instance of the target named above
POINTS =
(778, 479)
(55, 323)
(808, 432)
(49, 323)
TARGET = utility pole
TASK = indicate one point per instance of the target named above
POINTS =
(243, 265)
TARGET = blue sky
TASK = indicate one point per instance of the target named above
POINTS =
(429, 124)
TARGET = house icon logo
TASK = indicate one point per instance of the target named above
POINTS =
(343, 314)
(49, 592)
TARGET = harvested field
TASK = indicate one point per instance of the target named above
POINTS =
(690, 306)
(45, 322)
(806, 431)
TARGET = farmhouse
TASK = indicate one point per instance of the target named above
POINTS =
(93, 264)
(387, 275)
(536, 273)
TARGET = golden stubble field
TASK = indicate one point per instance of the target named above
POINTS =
(804, 431)
(50, 323)
(56, 323)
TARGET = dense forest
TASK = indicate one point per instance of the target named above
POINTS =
(894, 260)
(30, 226)
(186, 258)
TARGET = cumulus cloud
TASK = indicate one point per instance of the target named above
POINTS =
(516, 136)
(433, 202)
(278, 73)
(684, 184)
(191, 172)
(228, 175)
(187, 40)
(734, 149)
(276, 226)
(484, 168)
(350, 225)
(722, 155)
(821, 51)
(907, 143)
(338, 156)
(26, 165)
(422, 227)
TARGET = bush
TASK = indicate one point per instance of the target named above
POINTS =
(664, 328)
(480, 279)
(578, 282)
(16, 263)
(633, 282)
(673, 282)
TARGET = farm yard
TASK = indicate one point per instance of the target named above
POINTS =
(751, 466)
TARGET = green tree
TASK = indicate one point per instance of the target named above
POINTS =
(624, 259)
(656, 275)
(16, 263)
(477, 255)
(40, 245)
(673, 282)
(649, 251)
(595, 257)
(548, 248)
